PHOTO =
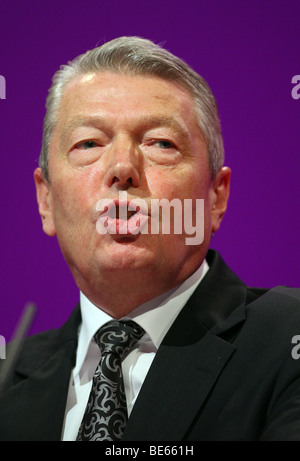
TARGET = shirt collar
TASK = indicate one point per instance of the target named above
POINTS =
(155, 316)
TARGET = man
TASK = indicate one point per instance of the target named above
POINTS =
(128, 125)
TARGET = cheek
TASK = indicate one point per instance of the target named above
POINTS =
(186, 183)
(69, 201)
(75, 191)
(166, 184)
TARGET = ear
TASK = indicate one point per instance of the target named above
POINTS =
(43, 193)
(221, 187)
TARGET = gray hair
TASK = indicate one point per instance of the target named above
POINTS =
(138, 56)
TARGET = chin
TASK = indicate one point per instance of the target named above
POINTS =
(125, 255)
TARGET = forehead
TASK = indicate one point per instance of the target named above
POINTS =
(118, 96)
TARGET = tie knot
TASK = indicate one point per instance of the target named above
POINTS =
(118, 337)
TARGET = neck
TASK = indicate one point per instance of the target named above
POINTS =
(119, 294)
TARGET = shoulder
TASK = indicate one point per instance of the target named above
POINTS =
(40, 343)
(37, 349)
(272, 319)
(280, 300)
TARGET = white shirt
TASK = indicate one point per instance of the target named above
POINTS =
(155, 317)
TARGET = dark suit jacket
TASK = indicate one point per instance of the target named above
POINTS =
(224, 371)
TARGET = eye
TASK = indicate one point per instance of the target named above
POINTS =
(87, 144)
(164, 144)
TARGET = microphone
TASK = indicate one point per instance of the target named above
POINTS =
(16, 345)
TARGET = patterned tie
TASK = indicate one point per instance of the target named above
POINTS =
(106, 412)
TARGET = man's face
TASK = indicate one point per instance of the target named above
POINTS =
(138, 135)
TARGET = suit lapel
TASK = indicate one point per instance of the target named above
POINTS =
(190, 359)
(35, 404)
(176, 387)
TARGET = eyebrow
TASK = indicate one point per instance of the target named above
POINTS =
(146, 121)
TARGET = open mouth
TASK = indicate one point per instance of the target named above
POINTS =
(122, 217)
(122, 212)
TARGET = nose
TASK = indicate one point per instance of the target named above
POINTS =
(123, 165)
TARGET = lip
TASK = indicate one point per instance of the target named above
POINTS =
(108, 222)
(137, 205)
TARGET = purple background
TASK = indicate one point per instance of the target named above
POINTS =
(248, 51)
